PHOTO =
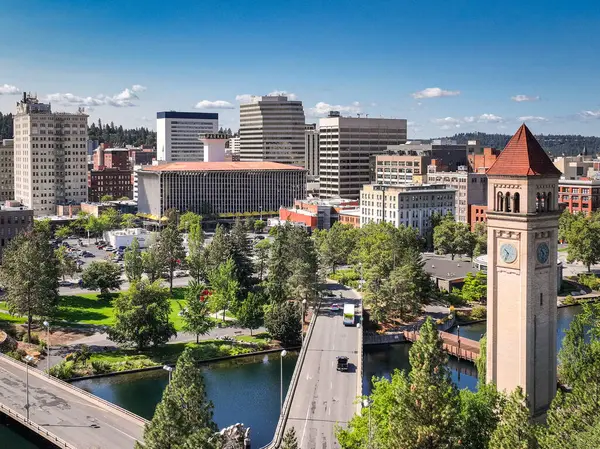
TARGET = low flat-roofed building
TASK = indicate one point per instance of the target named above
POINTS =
(214, 188)
(14, 218)
(447, 273)
(124, 237)
(579, 195)
(350, 216)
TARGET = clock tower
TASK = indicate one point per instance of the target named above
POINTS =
(522, 223)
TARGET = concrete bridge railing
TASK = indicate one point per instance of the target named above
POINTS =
(59, 442)
(103, 404)
(287, 403)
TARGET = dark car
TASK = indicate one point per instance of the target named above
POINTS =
(342, 363)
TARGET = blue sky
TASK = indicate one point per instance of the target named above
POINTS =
(446, 66)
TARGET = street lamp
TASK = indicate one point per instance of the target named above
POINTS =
(169, 369)
(302, 322)
(47, 326)
(458, 338)
(28, 360)
(367, 403)
(283, 354)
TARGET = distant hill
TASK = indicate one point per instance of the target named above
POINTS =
(557, 145)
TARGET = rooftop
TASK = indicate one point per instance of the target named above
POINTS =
(188, 115)
(443, 267)
(218, 166)
(352, 212)
(523, 156)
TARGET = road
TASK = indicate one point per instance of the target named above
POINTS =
(325, 396)
(83, 424)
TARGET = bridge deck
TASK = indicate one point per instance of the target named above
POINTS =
(325, 396)
(463, 348)
(82, 420)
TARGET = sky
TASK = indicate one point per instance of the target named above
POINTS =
(445, 66)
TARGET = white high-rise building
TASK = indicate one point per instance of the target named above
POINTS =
(234, 145)
(178, 135)
(345, 146)
(50, 156)
(272, 130)
(311, 145)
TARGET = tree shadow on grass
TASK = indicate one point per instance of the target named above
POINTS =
(85, 308)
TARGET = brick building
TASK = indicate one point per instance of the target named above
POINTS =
(317, 214)
(579, 195)
(480, 161)
(477, 213)
(350, 216)
(111, 175)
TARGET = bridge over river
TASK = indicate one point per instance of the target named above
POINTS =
(63, 414)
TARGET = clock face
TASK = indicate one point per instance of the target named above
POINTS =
(543, 252)
(508, 253)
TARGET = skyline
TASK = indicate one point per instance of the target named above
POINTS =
(442, 68)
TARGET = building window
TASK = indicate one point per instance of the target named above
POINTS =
(516, 201)
(507, 202)
(500, 202)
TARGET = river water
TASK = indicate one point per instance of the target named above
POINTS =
(247, 390)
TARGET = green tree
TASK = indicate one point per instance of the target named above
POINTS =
(279, 271)
(142, 316)
(189, 219)
(259, 226)
(290, 441)
(479, 415)
(110, 219)
(105, 198)
(103, 276)
(249, 224)
(304, 267)
(218, 250)
(514, 430)
(183, 412)
(425, 415)
(152, 259)
(241, 254)
(225, 287)
(63, 232)
(480, 234)
(283, 322)
(196, 259)
(475, 287)
(251, 314)
(196, 319)
(171, 251)
(262, 249)
(93, 226)
(128, 221)
(584, 241)
(66, 264)
(565, 221)
(453, 237)
(43, 227)
(79, 223)
(336, 245)
(481, 362)
(133, 263)
(29, 273)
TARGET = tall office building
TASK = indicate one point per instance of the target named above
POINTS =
(7, 169)
(311, 145)
(50, 156)
(272, 130)
(178, 135)
(345, 147)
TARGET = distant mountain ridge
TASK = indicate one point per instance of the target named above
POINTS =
(555, 144)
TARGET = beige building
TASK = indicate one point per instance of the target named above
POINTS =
(400, 169)
(345, 147)
(7, 170)
(408, 205)
(522, 222)
(574, 167)
(471, 188)
(311, 145)
(272, 130)
(50, 156)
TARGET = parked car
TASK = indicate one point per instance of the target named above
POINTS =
(180, 273)
(335, 307)
(109, 248)
(88, 254)
(101, 246)
(65, 283)
(342, 363)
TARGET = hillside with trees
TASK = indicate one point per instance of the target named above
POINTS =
(119, 136)
(6, 126)
(555, 144)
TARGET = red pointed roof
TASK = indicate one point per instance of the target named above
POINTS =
(523, 156)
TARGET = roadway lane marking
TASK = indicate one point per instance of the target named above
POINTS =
(305, 423)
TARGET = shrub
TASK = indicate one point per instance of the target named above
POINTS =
(64, 370)
(35, 338)
(262, 345)
(478, 313)
(569, 300)
(17, 354)
(590, 280)
(100, 367)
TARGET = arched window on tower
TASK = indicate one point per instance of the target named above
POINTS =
(500, 202)
(516, 200)
(543, 202)
(538, 201)
(549, 201)
(507, 202)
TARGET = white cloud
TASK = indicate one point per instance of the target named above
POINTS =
(7, 89)
(434, 92)
(532, 118)
(218, 104)
(244, 98)
(519, 98)
(489, 118)
(410, 123)
(321, 109)
(120, 100)
(589, 114)
(276, 93)
(449, 126)
(469, 119)
(447, 121)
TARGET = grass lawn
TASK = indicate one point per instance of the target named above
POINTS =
(5, 317)
(263, 337)
(563, 250)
